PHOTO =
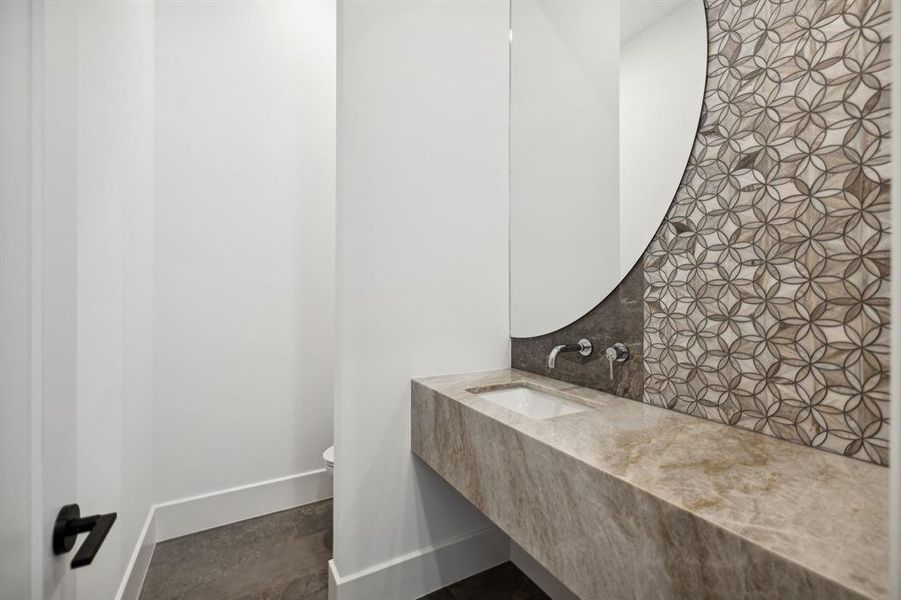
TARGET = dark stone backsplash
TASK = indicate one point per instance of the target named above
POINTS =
(617, 319)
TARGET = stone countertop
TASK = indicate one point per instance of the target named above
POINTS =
(798, 522)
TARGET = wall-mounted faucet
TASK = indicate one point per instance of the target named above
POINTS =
(583, 348)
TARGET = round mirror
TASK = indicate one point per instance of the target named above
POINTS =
(605, 100)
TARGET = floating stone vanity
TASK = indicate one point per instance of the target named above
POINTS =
(627, 500)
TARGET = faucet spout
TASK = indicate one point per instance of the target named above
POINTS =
(583, 348)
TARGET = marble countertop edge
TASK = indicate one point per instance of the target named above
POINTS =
(456, 387)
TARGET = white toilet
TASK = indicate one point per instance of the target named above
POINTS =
(329, 457)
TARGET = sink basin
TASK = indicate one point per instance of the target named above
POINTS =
(532, 403)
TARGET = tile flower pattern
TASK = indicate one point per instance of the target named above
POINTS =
(766, 302)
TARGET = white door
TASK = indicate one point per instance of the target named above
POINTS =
(37, 274)
(76, 213)
(37, 292)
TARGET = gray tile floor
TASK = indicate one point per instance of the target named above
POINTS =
(284, 556)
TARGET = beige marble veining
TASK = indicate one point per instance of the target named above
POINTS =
(628, 500)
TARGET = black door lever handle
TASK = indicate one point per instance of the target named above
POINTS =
(69, 523)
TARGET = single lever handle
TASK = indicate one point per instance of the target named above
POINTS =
(70, 523)
(618, 352)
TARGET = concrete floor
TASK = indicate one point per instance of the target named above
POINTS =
(284, 556)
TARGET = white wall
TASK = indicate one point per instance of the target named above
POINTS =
(422, 254)
(244, 241)
(242, 253)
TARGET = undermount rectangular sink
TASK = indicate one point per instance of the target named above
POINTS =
(532, 403)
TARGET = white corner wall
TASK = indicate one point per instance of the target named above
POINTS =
(422, 269)
(244, 254)
(179, 359)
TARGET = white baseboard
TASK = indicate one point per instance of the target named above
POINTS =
(405, 577)
(423, 571)
(205, 511)
(133, 580)
(332, 580)
(534, 570)
(176, 518)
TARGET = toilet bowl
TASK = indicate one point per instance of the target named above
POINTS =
(329, 457)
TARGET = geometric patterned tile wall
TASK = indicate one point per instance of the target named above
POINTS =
(766, 302)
